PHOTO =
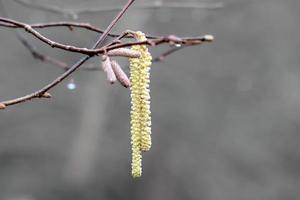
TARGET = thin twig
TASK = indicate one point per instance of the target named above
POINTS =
(37, 55)
(33, 49)
(162, 56)
(69, 25)
(95, 51)
(127, 34)
(45, 58)
(46, 40)
(41, 92)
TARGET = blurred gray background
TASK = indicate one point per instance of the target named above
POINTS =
(226, 115)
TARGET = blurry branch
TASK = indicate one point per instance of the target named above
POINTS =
(167, 53)
(155, 4)
(153, 40)
(39, 56)
(116, 47)
(47, 59)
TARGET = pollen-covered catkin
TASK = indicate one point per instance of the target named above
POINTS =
(140, 103)
(136, 165)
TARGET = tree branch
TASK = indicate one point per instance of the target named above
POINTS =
(43, 92)
(93, 51)
(96, 49)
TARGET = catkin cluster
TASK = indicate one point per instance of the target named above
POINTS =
(140, 104)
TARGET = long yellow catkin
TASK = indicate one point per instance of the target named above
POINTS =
(140, 104)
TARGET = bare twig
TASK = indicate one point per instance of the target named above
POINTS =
(46, 40)
(96, 49)
(167, 53)
(40, 93)
(93, 51)
(39, 56)
(69, 25)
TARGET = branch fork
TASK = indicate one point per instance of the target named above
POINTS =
(116, 48)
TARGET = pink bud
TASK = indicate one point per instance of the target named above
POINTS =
(106, 66)
(124, 52)
(120, 74)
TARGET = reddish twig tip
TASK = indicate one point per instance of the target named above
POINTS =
(2, 106)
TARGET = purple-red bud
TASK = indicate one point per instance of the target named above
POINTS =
(106, 66)
(120, 74)
(124, 52)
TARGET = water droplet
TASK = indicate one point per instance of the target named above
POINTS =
(71, 85)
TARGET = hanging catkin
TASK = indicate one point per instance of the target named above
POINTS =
(140, 104)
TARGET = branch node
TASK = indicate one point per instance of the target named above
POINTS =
(45, 95)
(173, 39)
(70, 28)
(27, 27)
(51, 44)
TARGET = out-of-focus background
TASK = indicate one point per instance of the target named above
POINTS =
(226, 115)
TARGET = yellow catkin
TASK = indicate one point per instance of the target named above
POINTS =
(140, 104)
(136, 165)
